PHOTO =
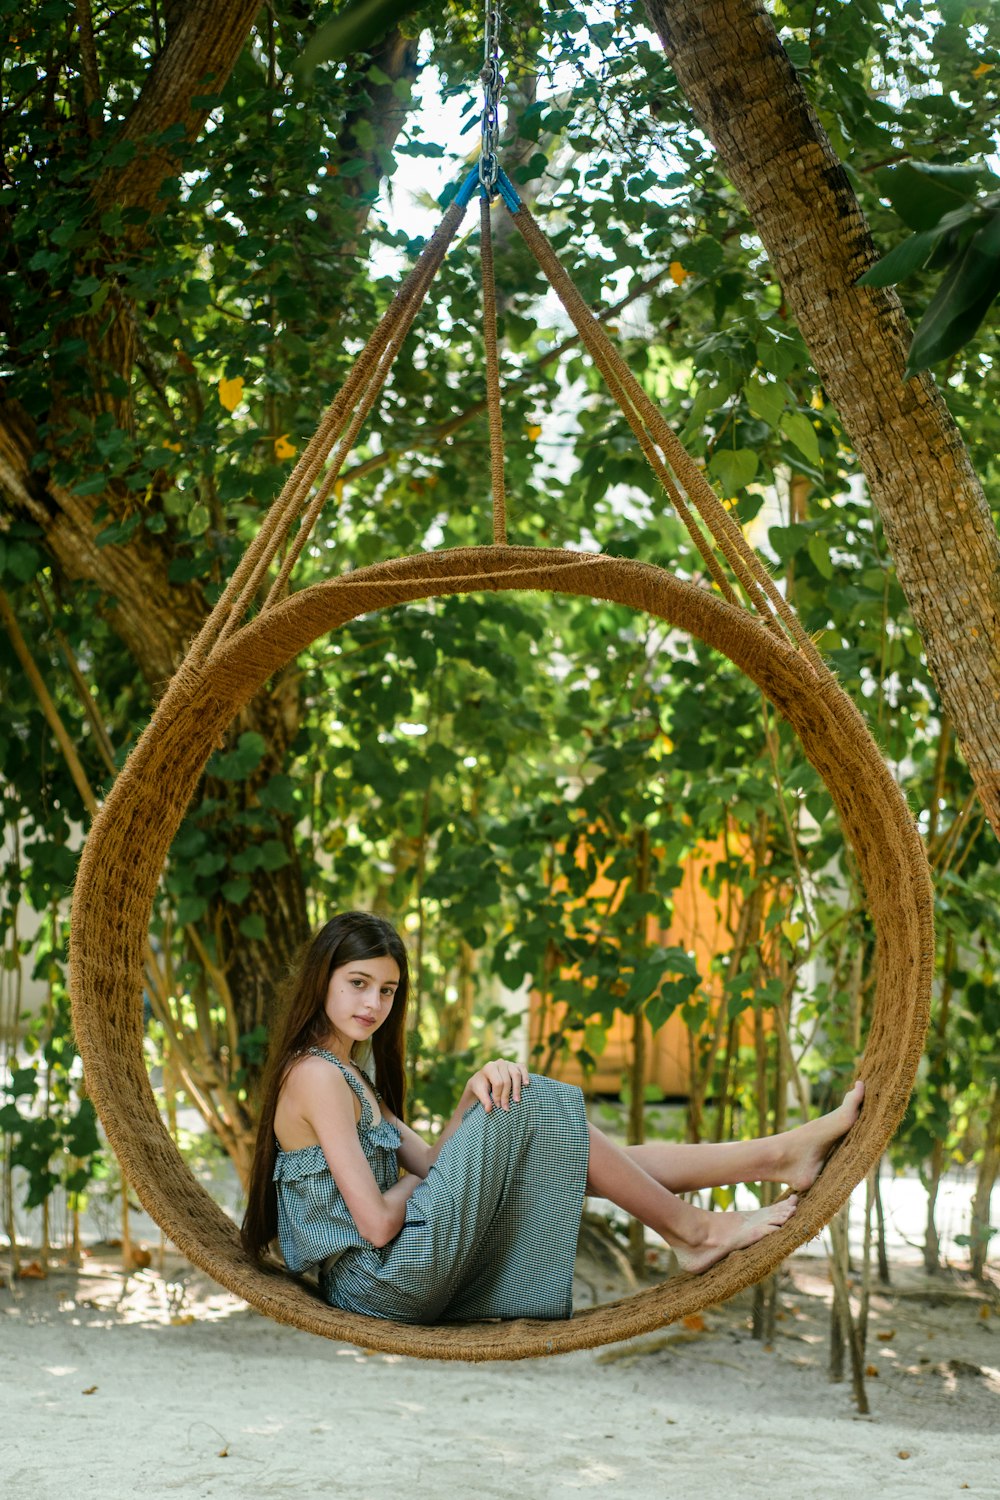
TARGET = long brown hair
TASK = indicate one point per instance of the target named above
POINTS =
(302, 1023)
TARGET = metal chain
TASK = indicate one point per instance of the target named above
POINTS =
(489, 165)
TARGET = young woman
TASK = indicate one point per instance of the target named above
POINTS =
(484, 1223)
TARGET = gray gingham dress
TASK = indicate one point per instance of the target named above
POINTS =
(490, 1233)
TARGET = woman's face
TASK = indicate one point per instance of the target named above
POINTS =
(359, 998)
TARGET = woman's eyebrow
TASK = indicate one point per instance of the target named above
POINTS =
(364, 974)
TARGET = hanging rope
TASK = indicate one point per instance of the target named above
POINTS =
(654, 433)
(493, 406)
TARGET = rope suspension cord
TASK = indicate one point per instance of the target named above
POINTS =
(493, 407)
(489, 171)
(232, 658)
(644, 417)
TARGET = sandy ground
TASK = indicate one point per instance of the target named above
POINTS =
(159, 1384)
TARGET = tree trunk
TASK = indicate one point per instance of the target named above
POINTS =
(747, 98)
(153, 617)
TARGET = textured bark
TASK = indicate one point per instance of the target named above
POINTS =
(747, 98)
(153, 617)
(202, 47)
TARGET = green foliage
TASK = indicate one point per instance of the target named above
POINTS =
(49, 1124)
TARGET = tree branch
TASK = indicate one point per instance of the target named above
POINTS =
(153, 617)
(199, 56)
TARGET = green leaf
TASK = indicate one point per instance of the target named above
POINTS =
(24, 1081)
(199, 520)
(22, 561)
(798, 429)
(253, 927)
(922, 192)
(238, 764)
(799, 53)
(700, 408)
(246, 861)
(273, 855)
(901, 261)
(733, 468)
(237, 890)
(961, 301)
(190, 909)
(279, 794)
(766, 399)
(703, 257)
(785, 541)
(819, 550)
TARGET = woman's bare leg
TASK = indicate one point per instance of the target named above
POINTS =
(699, 1238)
(796, 1156)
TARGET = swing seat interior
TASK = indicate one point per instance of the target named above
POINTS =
(241, 646)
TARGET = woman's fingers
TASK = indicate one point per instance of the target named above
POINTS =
(499, 1082)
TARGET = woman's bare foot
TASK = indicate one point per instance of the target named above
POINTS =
(803, 1151)
(734, 1230)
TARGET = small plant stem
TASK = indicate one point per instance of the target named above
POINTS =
(838, 1258)
(989, 1164)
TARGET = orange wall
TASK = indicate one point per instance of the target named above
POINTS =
(698, 927)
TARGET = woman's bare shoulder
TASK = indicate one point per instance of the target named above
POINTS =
(307, 1074)
(311, 1087)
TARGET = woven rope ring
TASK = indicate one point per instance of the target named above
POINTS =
(126, 849)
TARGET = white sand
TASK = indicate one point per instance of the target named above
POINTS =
(161, 1385)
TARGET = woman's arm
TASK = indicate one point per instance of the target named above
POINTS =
(326, 1102)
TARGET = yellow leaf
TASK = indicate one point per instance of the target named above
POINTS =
(816, 401)
(338, 490)
(793, 930)
(677, 273)
(174, 447)
(666, 742)
(534, 433)
(283, 448)
(231, 392)
(982, 70)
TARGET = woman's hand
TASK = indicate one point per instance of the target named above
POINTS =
(498, 1082)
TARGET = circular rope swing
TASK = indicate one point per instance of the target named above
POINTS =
(125, 851)
(233, 657)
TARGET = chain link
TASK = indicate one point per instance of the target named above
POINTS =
(489, 165)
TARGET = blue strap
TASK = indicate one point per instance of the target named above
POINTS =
(467, 191)
(508, 192)
(472, 185)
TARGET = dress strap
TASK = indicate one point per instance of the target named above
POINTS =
(367, 1113)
